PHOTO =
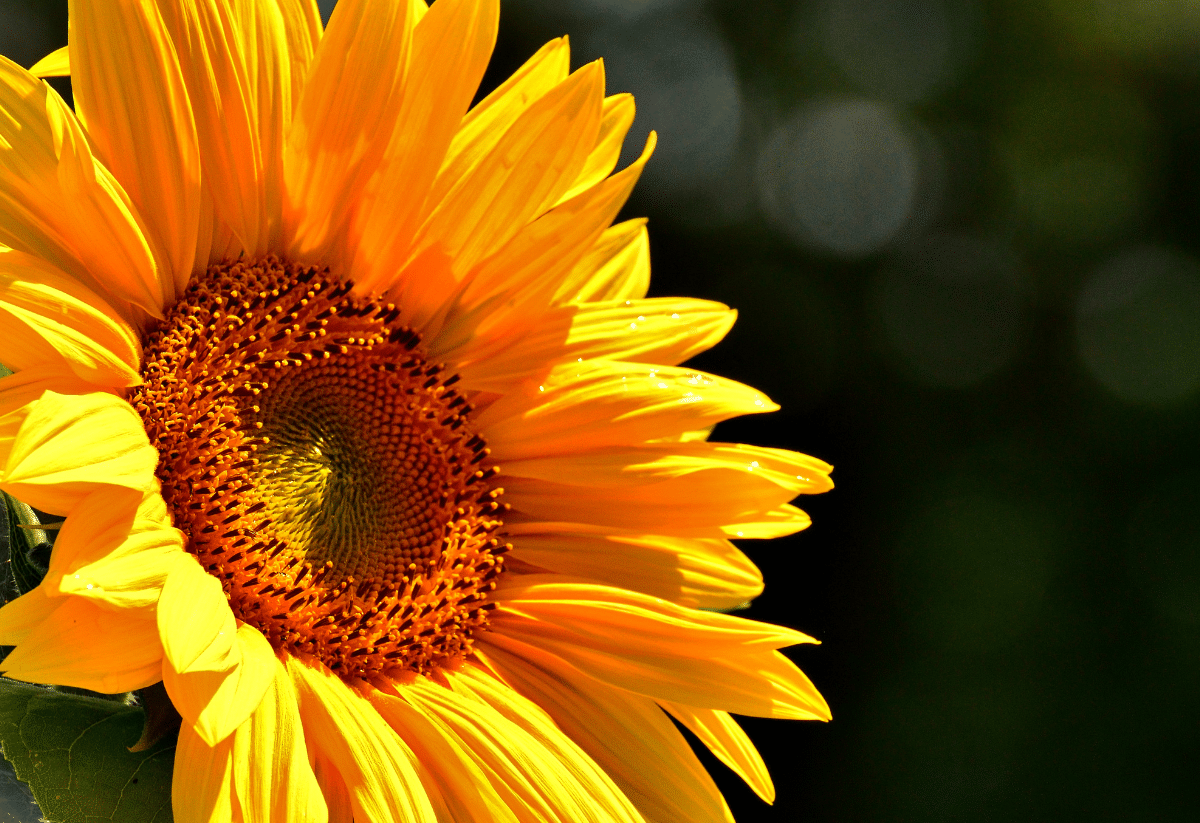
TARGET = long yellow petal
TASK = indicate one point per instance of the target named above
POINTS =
(109, 651)
(55, 64)
(451, 48)
(215, 671)
(64, 321)
(505, 298)
(21, 616)
(537, 771)
(527, 170)
(343, 123)
(377, 767)
(607, 617)
(271, 772)
(732, 746)
(666, 330)
(59, 203)
(677, 663)
(68, 445)
(202, 785)
(615, 121)
(616, 268)
(115, 549)
(687, 489)
(627, 734)
(303, 28)
(244, 64)
(597, 404)
(702, 573)
(130, 92)
(24, 387)
(494, 115)
(333, 789)
(462, 786)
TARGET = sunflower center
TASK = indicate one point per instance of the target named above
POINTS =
(322, 469)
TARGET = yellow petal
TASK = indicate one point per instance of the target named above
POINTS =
(239, 60)
(495, 114)
(343, 123)
(67, 445)
(303, 28)
(527, 170)
(57, 318)
(129, 91)
(21, 616)
(615, 121)
(81, 645)
(666, 330)
(658, 649)
(451, 48)
(271, 770)
(693, 489)
(751, 680)
(596, 404)
(333, 789)
(24, 387)
(732, 746)
(616, 268)
(376, 766)
(505, 298)
(626, 734)
(535, 769)
(606, 617)
(116, 549)
(202, 785)
(215, 671)
(698, 572)
(447, 766)
(57, 201)
(55, 64)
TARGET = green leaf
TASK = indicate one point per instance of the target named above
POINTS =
(28, 548)
(73, 752)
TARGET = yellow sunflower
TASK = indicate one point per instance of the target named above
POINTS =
(370, 446)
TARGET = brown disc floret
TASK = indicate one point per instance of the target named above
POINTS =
(322, 470)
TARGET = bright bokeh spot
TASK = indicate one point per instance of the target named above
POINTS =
(902, 50)
(840, 177)
(682, 76)
(1077, 159)
(1137, 326)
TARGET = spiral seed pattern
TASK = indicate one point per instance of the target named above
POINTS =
(322, 470)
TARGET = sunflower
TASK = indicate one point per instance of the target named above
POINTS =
(369, 445)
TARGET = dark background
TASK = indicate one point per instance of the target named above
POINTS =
(963, 238)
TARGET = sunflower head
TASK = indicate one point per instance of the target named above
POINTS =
(280, 303)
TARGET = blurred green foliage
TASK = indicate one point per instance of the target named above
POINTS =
(963, 238)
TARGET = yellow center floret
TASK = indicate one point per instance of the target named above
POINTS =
(322, 470)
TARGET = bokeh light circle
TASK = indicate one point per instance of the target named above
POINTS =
(902, 50)
(840, 177)
(682, 75)
(1137, 325)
